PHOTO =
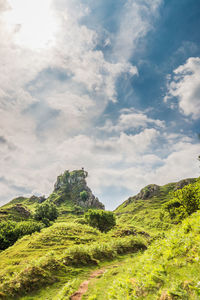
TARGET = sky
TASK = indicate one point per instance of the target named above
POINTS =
(112, 86)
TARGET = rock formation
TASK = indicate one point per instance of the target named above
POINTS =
(72, 185)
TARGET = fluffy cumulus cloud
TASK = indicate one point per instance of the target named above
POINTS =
(185, 86)
(55, 84)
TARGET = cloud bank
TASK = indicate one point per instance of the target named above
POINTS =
(54, 93)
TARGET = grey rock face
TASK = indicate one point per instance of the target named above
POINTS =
(148, 192)
(21, 210)
(183, 183)
(37, 199)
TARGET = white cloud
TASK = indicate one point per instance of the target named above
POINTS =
(136, 21)
(185, 86)
(131, 119)
(180, 163)
(52, 96)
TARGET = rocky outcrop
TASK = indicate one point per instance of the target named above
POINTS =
(148, 192)
(152, 190)
(36, 199)
(19, 208)
(179, 185)
(73, 185)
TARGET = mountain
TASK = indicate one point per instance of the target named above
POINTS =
(71, 195)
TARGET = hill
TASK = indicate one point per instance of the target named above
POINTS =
(147, 255)
(145, 209)
(71, 195)
(168, 270)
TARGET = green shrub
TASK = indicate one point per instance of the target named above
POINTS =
(10, 231)
(7, 234)
(185, 202)
(84, 195)
(103, 220)
(46, 212)
(78, 255)
(28, 280)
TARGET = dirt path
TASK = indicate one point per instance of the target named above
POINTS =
(84, 285)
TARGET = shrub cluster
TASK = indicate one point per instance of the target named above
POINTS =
(11, 231)
(185, 202)
(46, 212)
(103, 220)
(84, 195)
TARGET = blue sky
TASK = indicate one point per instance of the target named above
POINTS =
(113, 86)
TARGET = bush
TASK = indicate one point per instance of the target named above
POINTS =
(27, 280)
(10, 231)
(188, 198)
(185, 202)
(46, 212)
(84, 195)
(103, 220)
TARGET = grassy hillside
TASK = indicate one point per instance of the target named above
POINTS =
(168, 270)
(145, 209)
(52, 263)
(66, 196)
(59, 252)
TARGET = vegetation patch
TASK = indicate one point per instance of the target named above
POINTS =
(11, 231)
(45, 269)
(103, 220)
(170, 267)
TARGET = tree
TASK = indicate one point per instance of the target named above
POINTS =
(46, 212)
(100, 219)
(84, 195)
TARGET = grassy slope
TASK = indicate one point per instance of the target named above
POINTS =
(66, 208)
(9, 211)
(147, 213)
(168, 270)
(44, 251)
(55, 238)
(64, 198)
(39, 260)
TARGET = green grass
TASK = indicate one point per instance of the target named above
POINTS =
(59, 252)
(169, 269)
(52, 263)
(148, 213)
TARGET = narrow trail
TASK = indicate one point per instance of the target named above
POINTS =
(84, 285)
